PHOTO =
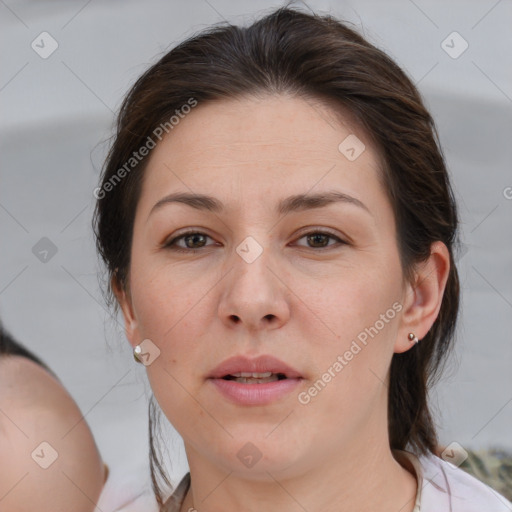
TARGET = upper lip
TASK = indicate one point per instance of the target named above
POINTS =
(261, 364)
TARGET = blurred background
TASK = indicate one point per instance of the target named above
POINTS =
(66, 66)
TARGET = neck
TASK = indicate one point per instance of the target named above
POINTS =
(366, 479)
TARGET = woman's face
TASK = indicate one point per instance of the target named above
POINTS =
(315, 284)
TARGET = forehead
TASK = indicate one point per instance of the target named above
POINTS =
(264, 146)
(273, 121)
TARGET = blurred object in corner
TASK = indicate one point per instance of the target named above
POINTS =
(492, 467)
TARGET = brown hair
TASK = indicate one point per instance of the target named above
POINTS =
(10, 347)
(310, 56)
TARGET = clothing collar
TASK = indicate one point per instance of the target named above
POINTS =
(433, 485)
(173, 504)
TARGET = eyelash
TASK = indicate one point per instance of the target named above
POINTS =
(171, 245)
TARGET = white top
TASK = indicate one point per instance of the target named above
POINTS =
(442, 487)
(127, 491)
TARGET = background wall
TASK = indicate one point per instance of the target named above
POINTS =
(56, 116)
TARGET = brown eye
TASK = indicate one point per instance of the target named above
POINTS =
(320, 239)
(193, 240)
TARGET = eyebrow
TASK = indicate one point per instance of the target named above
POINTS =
(295, 203)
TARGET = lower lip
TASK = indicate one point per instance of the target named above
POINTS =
(255, 394)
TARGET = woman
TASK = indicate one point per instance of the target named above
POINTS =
(279, 229)
(48, 457)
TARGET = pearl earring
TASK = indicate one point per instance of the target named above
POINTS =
(412, 337)
(137, 351)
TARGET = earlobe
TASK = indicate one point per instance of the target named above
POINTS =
(424, 298)
(125, 303)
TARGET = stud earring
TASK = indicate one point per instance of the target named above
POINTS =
(412, 337)
(137, 351)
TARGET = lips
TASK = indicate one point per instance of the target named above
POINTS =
(236, 365)
(254, 382)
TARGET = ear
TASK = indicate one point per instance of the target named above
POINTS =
(130, 322)
(422, 299)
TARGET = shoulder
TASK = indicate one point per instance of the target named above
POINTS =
(42, 436)
(128, 490)
(447, 487)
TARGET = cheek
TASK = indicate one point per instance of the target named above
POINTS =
(347, 302)
(355, 317)
(352, 358)
(161, 297)
(173, 311)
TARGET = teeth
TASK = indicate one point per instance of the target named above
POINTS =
(253, 375)
(257, 380)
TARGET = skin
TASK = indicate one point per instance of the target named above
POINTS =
(301, 303)
(35, 408)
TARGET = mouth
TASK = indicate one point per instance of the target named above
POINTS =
(254, 370)
(255, 378)
(259, 381)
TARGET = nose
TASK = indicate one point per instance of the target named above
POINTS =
(255, 295)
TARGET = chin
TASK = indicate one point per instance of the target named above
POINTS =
(254, 457)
